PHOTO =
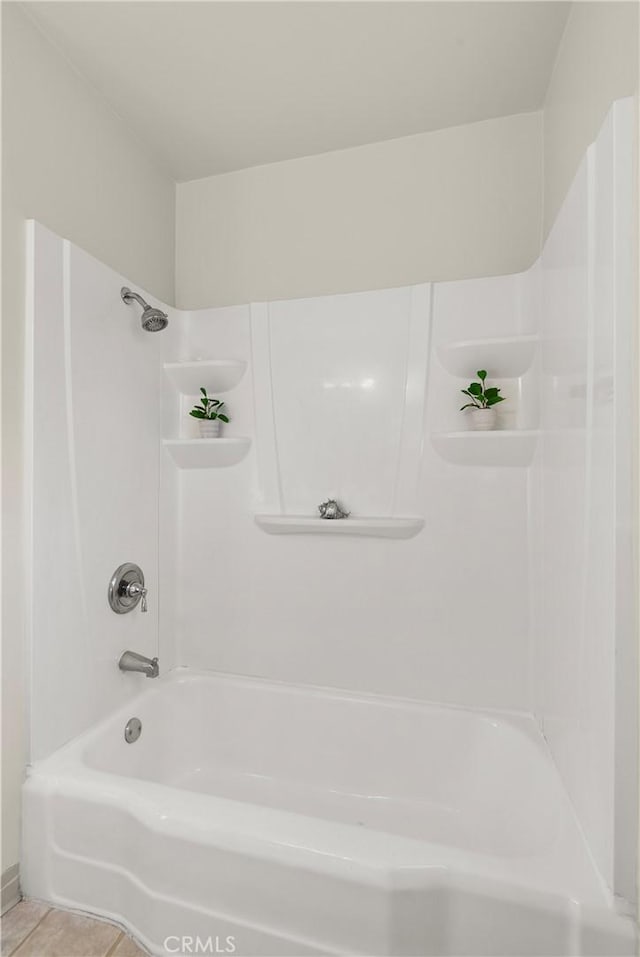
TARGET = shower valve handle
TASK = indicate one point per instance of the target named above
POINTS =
(126, 589)
(135, 589)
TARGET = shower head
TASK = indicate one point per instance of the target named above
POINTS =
(153, 320)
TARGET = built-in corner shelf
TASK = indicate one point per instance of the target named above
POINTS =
(207, 453)
(216, 375)
(494, 448)
(507, 357)
(375, 527)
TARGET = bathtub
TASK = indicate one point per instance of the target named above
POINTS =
(252, 817)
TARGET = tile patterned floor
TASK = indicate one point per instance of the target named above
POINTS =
(31, 929)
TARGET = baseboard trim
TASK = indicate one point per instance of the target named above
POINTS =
(10, 892)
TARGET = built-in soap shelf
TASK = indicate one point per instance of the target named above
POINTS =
(207, 453)
(506, 357)
(216, 375)
(373, 527)
(493, 448)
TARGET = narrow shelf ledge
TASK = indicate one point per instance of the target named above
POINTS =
(374, 527)
(207, 453)
(216, 375)
(496, 448)
(507, 357)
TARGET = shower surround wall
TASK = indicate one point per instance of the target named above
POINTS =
(93, 389)
(419, 618)
(355, 396)
(585, 660)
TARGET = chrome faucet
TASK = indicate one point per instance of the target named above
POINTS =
(132, 661)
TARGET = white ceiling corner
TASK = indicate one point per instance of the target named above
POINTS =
(211, 87)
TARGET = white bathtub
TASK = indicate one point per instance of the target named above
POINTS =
(300, 821)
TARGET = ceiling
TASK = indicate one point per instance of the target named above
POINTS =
(216, 86)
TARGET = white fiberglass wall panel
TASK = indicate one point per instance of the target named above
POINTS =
(582, 497)
(338, 371)
(94, 401)
(420, 617)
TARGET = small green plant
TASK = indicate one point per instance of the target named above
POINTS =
(210, 409)
(481, 397)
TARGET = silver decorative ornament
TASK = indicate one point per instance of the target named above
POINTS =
(332, 510)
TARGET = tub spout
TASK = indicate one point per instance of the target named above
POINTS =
(132, 661)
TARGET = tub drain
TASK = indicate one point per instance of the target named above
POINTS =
(132, 730)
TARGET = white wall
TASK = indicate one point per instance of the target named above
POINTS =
(456, 203)
(93, 401)
(452, 204)
(585, 654)
(418, 617)
(597, 63)
(71, 164)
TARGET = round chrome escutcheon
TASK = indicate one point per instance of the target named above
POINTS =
(118, 592)
(133, 730)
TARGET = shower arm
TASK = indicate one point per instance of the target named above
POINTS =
(128, 295)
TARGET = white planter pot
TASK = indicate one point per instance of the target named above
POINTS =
(210, 428)
(483, 420)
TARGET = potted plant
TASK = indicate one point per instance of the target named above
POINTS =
(210, 416)
(483, 400)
